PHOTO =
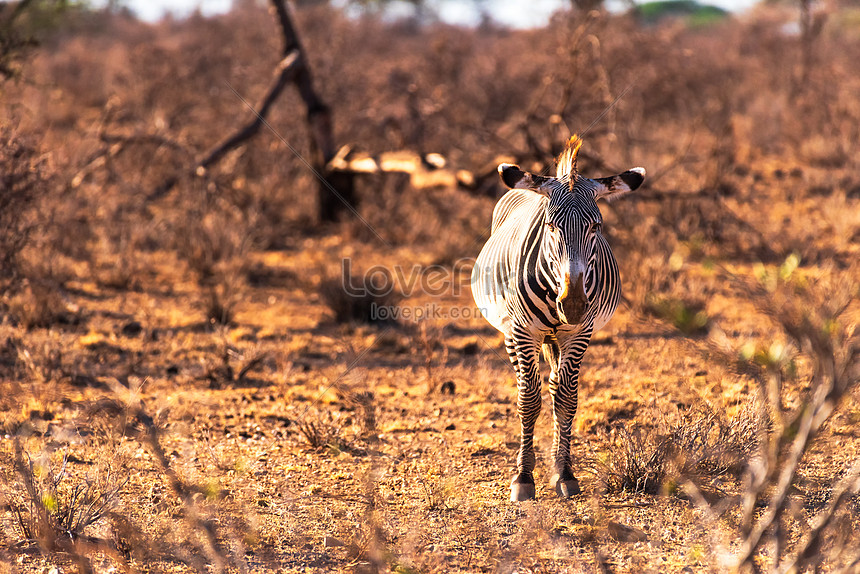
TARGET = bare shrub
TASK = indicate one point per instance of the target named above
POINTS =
(11, 367)
(204, 540)
(39, 304)
(220, 298)
(362, 304)
(117, 258)
(30, 278)
(702, 445)
(232, 365)
(430, 341)
(638, 463)
(55, 512)
(438, 491)
(23, 182)
(215, 246)
(322, 433)
(365, 403)
(707, 445)
(43, 363)
(810, 316)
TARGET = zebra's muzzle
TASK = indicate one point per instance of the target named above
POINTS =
(572, 301)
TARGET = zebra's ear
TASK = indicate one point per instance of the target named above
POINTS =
(515, 178)
(512, 175)
(615, 186)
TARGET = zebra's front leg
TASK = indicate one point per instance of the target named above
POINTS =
(525, 358)
(564, 389)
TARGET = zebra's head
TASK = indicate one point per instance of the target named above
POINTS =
(572, 230)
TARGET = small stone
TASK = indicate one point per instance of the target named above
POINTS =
(332, 542)
(132, 329)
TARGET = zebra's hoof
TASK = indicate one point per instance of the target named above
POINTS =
(522, 490)
(565, 487)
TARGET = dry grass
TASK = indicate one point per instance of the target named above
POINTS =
(700, 447)
(191, 335)
(48, 511)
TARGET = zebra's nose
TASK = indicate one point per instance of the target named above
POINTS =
(572, 301)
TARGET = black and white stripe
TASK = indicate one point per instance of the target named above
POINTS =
(547, 277)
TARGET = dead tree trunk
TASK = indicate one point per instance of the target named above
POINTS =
(811, 24)
(336, 189)
(805, 39)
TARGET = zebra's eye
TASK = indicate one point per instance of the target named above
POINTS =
(595, 227)
(550, 225)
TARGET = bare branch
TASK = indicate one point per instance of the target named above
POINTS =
(293, 68)
(284, 75)
(808, 546)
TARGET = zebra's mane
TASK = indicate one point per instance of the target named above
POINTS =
(566, 162)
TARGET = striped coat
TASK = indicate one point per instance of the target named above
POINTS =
(547, 278)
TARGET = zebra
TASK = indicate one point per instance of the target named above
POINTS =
(547, 277)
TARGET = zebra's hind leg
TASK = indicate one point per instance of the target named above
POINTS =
(524, 357)
(563, 388)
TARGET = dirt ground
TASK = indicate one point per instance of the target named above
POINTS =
(313, 446)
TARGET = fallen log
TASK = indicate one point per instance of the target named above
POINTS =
(425, 171)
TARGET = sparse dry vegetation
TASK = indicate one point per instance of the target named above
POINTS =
(187, 385)
(700, 446)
